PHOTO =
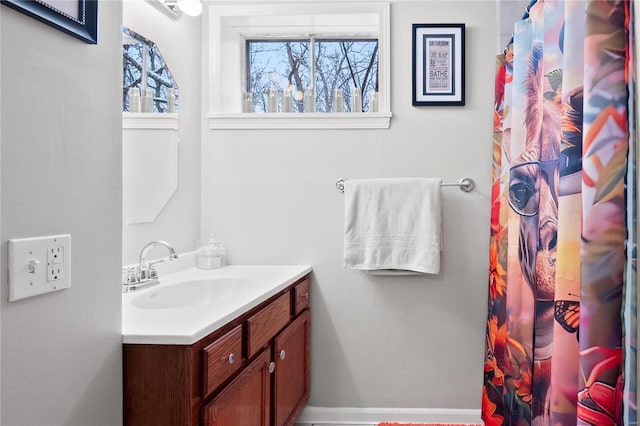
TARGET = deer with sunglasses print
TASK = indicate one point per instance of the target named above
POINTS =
(533, 196)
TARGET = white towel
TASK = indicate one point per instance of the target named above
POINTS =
(393, 224)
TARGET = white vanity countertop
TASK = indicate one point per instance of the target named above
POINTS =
(150, 316)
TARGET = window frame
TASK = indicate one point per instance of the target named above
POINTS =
(311, 39)
(227, 37)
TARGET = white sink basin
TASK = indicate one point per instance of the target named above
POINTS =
(194, 293)
(191, 303)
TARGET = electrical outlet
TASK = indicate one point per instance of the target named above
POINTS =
(39, 265)
(55, 263)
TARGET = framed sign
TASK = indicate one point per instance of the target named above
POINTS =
(438, 64)
(78, 18)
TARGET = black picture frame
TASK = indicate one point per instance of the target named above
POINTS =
(438, 65)
(83, 26)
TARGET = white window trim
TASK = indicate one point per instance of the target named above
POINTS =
(218, 118)
(150, 120)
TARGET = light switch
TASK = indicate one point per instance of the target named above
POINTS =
(39, 265)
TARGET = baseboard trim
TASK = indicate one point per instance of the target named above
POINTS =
(349, 416)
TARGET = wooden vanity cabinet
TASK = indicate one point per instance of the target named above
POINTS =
(252, 371)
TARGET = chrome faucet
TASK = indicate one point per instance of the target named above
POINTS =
(145, 273)
(147, 270)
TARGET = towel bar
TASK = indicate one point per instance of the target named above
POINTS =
(391, 272)
(465, 184)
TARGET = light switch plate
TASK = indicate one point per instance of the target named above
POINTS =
(39, 265)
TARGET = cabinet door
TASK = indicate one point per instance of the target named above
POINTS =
(246, 400)
(291, 389)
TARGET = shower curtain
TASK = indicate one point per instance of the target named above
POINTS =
(561, 328)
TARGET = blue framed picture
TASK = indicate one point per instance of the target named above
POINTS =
(438, 64)
(78, 18)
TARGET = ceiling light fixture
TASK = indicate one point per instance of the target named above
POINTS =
(190, 7)
(168, 7)
(175, 8)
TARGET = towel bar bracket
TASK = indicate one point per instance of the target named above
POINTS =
(465, 184)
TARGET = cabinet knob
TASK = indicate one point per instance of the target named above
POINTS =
(231, 358)
(283, 354)
(272, 367)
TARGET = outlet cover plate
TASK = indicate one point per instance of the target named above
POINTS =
(39, 265)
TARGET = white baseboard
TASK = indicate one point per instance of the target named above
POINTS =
(348, 416)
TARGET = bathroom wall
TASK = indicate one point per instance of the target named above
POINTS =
(180, 44)
(1, 263)
(509, 11)
(413, 342)
(636, 17)
(61, 173)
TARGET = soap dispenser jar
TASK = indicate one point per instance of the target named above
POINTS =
(211, 254)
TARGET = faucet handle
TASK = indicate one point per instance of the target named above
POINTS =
(130, 276)
(152, 272)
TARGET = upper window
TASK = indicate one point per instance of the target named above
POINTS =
(295, 58)
(343, 74)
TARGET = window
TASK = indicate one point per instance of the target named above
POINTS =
(144, 68)
(340, 50)
(291, 65)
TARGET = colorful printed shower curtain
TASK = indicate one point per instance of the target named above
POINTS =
(561, 329)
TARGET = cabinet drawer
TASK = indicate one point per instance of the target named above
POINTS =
(246, 401)
(265, 324)
(301, 294)
(221, 359)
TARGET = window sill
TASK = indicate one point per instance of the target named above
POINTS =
(320, 120)
(150, 120)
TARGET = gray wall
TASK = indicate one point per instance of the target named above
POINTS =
(61, 173)
(414, 342)
(180, 45)
(1, 261)
(509, 11)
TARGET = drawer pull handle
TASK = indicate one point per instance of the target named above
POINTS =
(272, 367)
(306, 295)
(283, 354)
(232, 358)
